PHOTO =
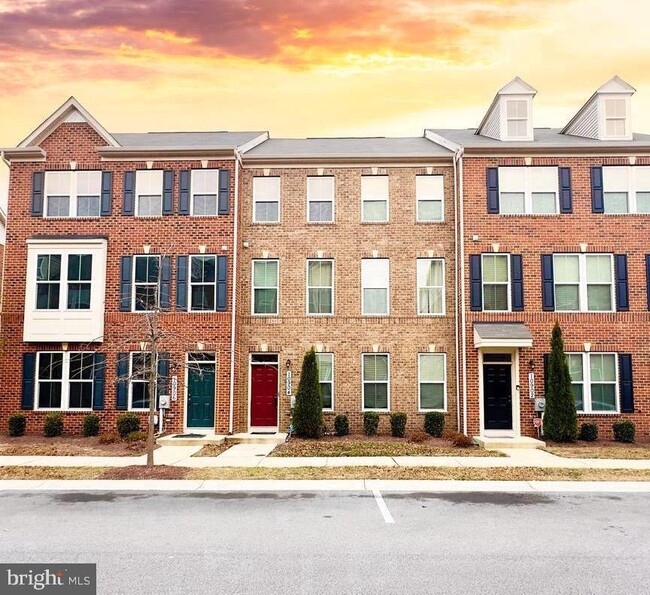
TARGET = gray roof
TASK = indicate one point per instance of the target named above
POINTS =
(375, 147)
(502, 330)
(187, 140)
(544, 138)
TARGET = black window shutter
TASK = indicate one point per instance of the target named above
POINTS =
(163, 375)
(129, 193)
(38, 180)
(98, 380)
(125, 284)
(566, 199)
(548, 292)
(626, 387)
(597, 202)
(517, 280)
(107, 193)
(222, 283)
(29, 371)
(547, 360)
(224, 191)
(122, 390)
(476, 290)
(647, 277)
(493, 189)
(165, 282)
(168, 192)
(622, 293)
(184, 192)
(181, 282)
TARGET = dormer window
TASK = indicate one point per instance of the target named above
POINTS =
(615, 114)
(517, 118)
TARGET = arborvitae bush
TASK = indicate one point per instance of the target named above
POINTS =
(624, 430)
(91, 425)
(434, 423)
(370, 423)
(308, 410)
(53, 425)
(341, 425)
(398, 424)
(16, 424)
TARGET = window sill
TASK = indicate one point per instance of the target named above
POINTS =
(69, 217)
(432, 222)
(375, 222)
(321, 222)
(599, 413)
(266, 222)
(380, 411)
(530, 214)
(60, 410)
(432, 410)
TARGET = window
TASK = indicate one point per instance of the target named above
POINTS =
(325, 363)
(79, 276)
(594, 379)
(64, 380)
(265, 287)
(374, 199)
(615, 115)
(266, 200)
(626, 189)
(139, 376)
(146, 274)
(320, 287)
(73, 193)
(375, 286)
(320, 199)
(495, 270)
(48, 281)
(431, 285)
(528, 190)
(148, 190)
(203, 283)
(583, 282)
(50, 269)
(430, 194)
(432, 393)
(517, 118)
(375, 374)
(205, 188)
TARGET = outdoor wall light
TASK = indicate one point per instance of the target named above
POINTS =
(531, 364)
(288, 364)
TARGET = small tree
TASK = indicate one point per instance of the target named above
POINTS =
(308, 410)
(560, 419)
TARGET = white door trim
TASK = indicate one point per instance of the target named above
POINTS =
(515, 432)
(252, 428)
(186, 395)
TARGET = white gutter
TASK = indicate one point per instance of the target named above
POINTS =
(462, 288)
(233, 318)
(456, 327)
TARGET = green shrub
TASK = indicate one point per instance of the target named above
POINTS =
(624, 430)
(127, 423)
(588, 432)
(91, 425)
(370, 423)
(398, 424)
(53, 425)
(17, 424)
(136, 436)
(308, 410)
(434, 423)
(341, 425)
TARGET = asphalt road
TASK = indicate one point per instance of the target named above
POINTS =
(337, 542)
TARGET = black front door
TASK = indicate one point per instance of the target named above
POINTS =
(497, 396)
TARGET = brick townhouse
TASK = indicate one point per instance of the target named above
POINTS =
(426, 272)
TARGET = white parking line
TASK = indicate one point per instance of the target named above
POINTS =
(388, 517)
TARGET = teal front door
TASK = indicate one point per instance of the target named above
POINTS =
(200, 396)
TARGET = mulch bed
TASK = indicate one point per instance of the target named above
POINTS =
(600, 449)
(37, 445)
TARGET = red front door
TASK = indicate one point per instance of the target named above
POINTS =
(264, 395)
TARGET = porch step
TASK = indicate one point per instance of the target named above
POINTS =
(497, 442)
(247, 438)
(172, 440)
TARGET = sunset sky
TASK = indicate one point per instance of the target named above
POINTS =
(311, 67)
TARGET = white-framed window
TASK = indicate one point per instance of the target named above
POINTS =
(264, 298)
(205, 192)
(583, 282)
(517, 118)
(203, 283)
(594, 380)
(146, 287)
(495, 273)
(528, 190)
(374, 199)
(63, 281)
(626, 189)
(431, 286)
(375, 373)
(432, 382)
(148, 192)
(73, 193)
(320, 199)
(320, 286)
(266, 199)
(64, 380)
(616, 117)
(430, 198)
(325, 363)
(375, 286)
(140, 372)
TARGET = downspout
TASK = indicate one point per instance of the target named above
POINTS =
(233, 319)
(456, 326)
(463, 320)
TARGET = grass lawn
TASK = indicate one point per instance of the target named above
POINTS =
(599, 450)
(376, 446)
(34, 445)
(212, 450)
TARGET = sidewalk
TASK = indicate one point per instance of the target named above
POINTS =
(256, 455)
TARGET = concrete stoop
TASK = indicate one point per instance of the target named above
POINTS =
(243, 438)
(498, 442)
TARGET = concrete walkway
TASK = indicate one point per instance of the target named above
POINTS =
(256, 455)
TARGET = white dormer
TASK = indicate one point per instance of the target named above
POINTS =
(510, 117)
(607, 113)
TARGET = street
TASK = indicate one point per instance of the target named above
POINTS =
(337, 542)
